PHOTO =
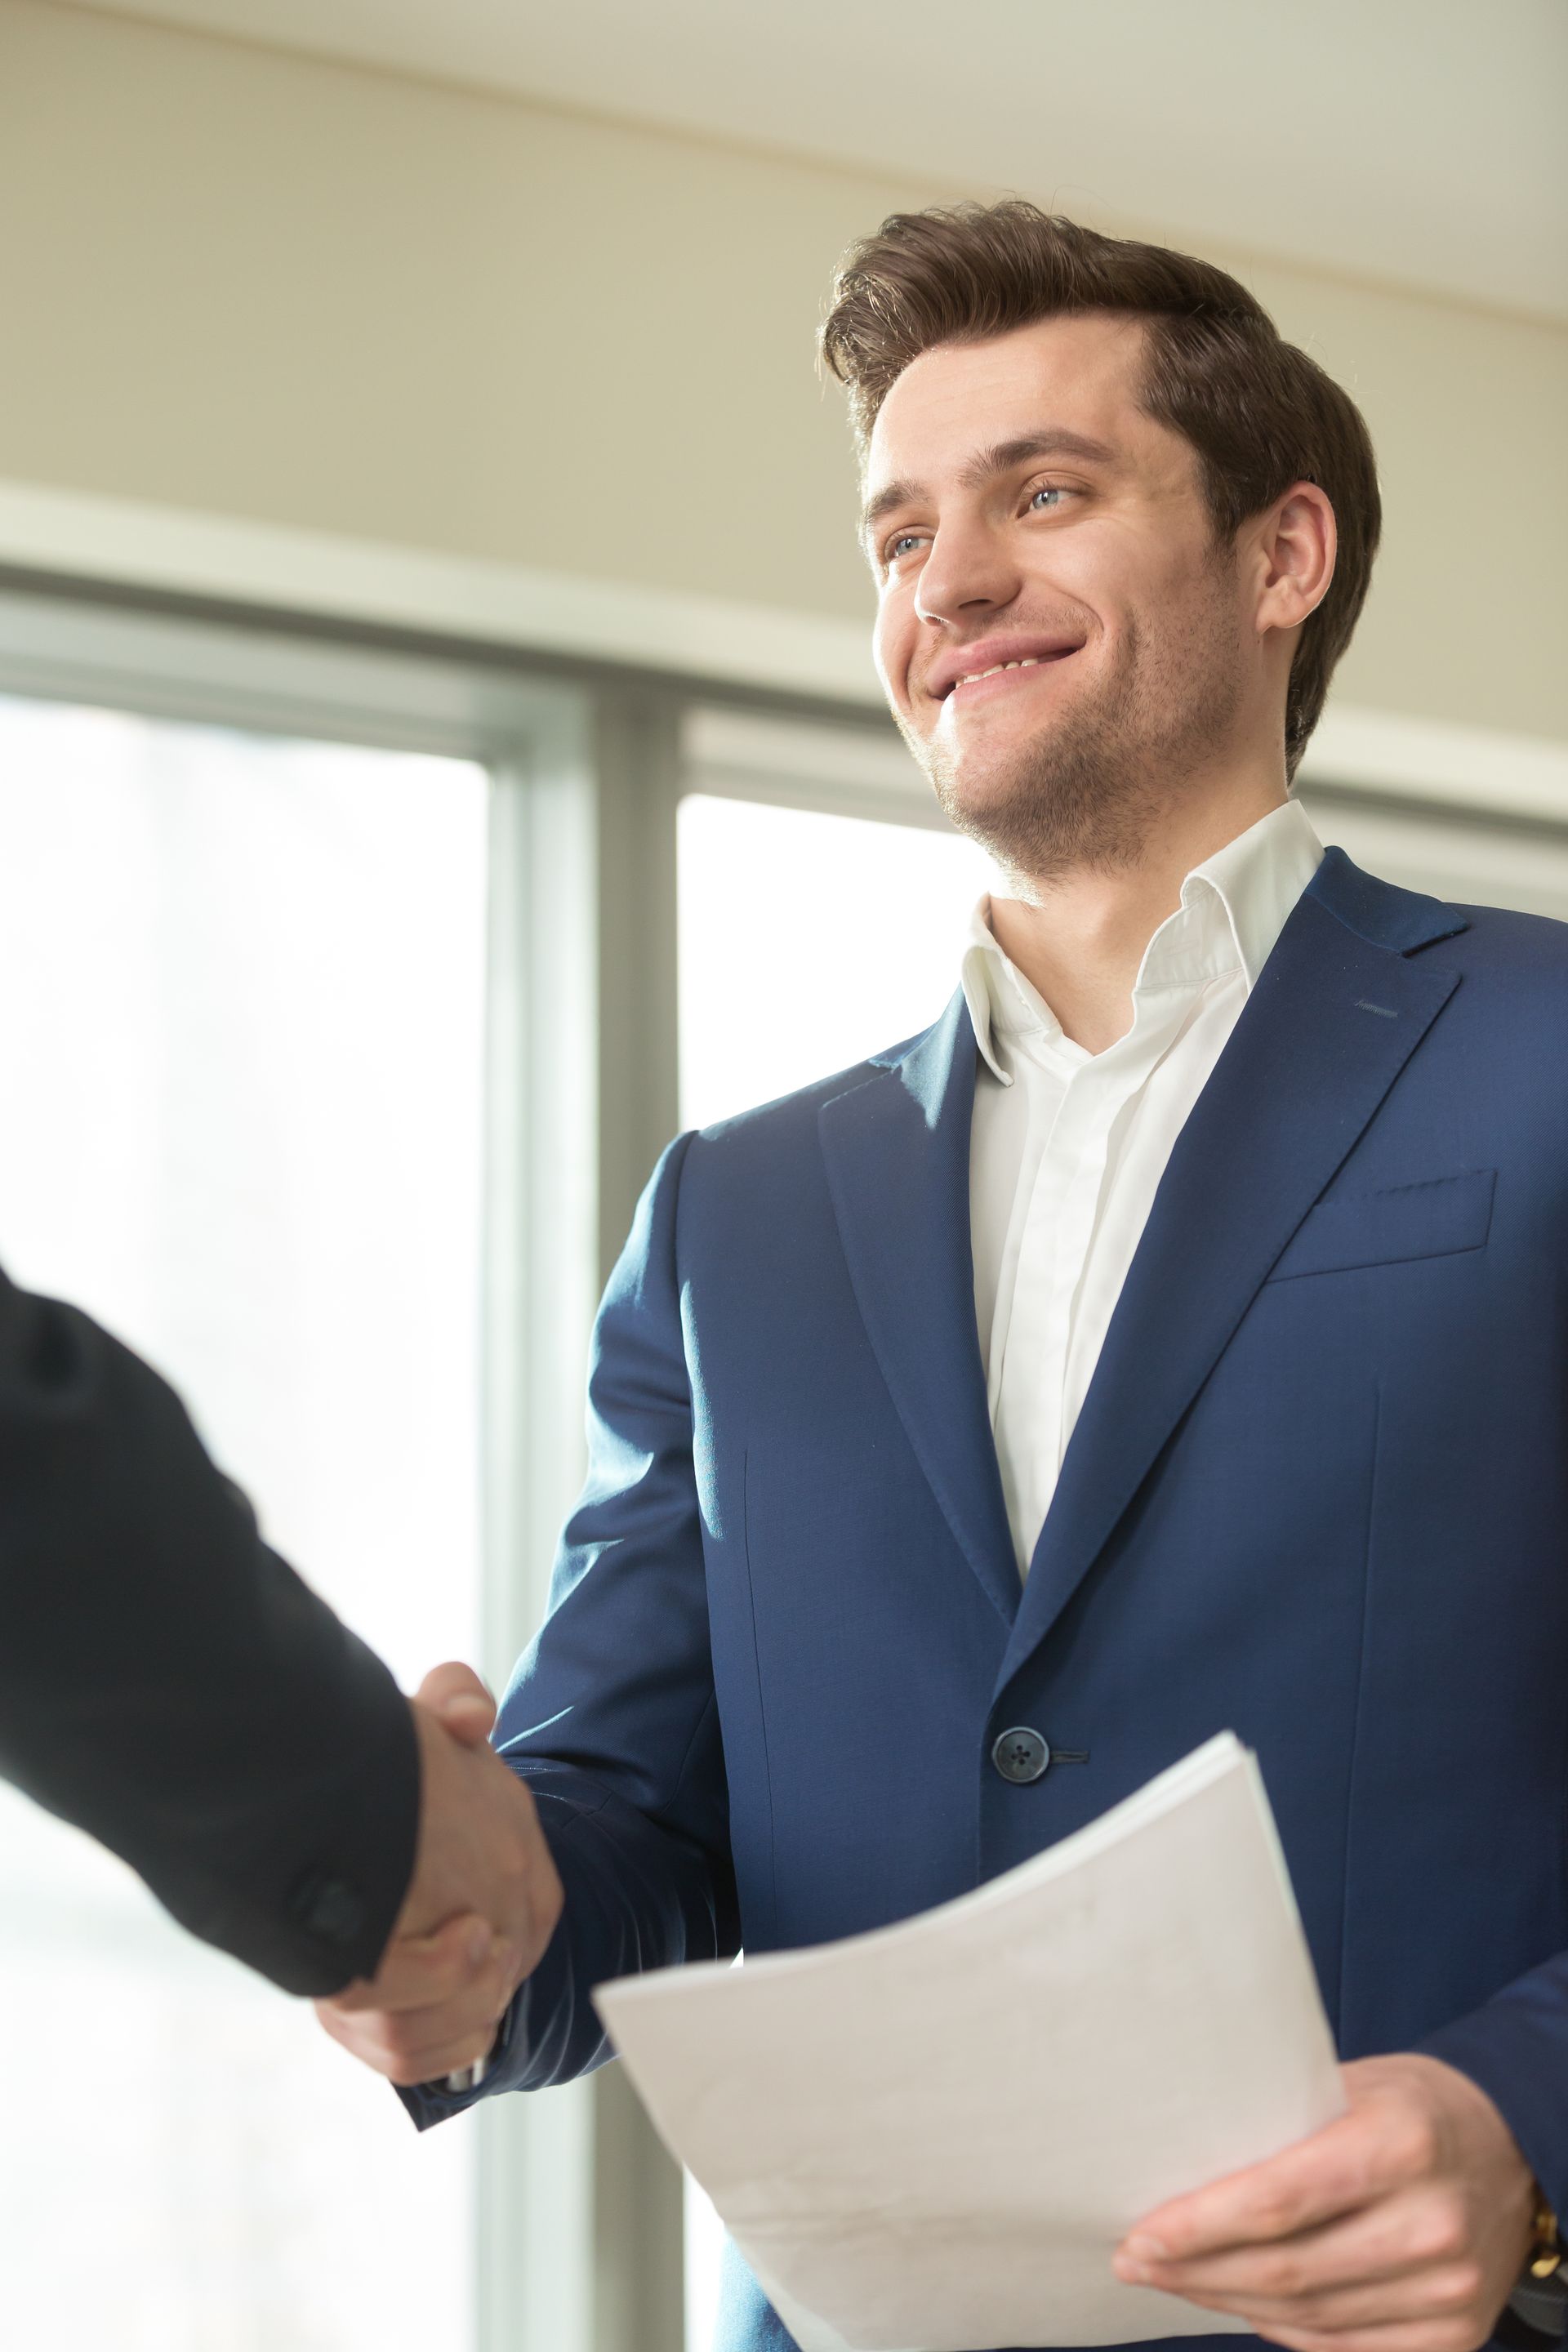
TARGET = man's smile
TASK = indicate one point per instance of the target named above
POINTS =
(983, 686)
(991, 666)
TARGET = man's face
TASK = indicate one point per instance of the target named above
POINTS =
(1021, 509)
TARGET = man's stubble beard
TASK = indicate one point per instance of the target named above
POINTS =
(1085, 793)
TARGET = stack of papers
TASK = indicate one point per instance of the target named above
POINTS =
(931, 2139)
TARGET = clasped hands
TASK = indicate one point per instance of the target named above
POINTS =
(481, 1904)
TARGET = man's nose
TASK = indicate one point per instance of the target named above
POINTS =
(968, 569)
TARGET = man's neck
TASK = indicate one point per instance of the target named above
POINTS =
(1079, 937)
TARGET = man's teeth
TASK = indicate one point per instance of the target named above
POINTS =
(1032, 663)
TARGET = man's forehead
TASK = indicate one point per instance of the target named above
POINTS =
(1079, 372)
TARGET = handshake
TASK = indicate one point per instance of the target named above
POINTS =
(481, 1904)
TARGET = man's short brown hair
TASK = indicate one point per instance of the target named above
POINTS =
(1259, 413)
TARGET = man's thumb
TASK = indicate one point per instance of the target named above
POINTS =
(455, 1696)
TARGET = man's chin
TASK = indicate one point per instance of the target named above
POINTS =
(992, 810)
(1016, 796)
(1056, 808)
(975, 789)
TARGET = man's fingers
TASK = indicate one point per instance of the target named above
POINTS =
(1389, 2240)
(415, 2045)
(1427, 2198)
(1334, 2172)
(447, 2058)
(1432, 2295)
(405, 2062)
(420, 1971)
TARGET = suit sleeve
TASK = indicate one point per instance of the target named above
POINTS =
(611, 1717)
(1516, 2048)
(170, 1685)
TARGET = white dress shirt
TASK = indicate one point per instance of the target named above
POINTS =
(1067, 1147)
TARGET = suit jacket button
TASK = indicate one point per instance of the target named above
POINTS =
(329, 1907)
(1021, 1754)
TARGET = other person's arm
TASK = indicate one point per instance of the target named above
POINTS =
(170, 1685)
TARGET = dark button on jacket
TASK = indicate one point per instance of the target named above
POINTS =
(330, 1908)
(1021, 1754)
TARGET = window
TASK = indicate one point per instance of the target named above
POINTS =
(810, 936)
(808, 940)
(299, 999)
(241, 1052)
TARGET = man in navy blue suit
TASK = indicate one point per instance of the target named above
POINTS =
(1173, 1338)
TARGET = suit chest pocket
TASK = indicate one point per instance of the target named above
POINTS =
(1437, 1219)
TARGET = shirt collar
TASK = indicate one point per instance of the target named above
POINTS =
(1233, 906)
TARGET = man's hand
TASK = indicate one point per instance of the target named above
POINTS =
(1401, 2228)
(480, 1908)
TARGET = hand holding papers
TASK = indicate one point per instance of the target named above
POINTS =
(931, 2139)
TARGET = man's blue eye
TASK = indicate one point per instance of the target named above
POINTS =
(1046, 490)
(905, 539)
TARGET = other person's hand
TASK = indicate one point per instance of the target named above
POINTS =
(1403, 2227)
(481, 1904)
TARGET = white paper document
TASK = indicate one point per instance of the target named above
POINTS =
(931, 2139)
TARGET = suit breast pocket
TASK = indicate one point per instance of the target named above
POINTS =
(1437, 1219)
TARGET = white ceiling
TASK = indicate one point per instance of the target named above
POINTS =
(1423, 140)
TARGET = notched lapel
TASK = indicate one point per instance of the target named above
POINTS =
(1336, 1013)
(897, 1148)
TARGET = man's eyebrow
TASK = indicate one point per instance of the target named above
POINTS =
(1000, 457)
(1056, 442)
(894, 494)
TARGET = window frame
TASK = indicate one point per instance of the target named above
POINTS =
(575, 2202)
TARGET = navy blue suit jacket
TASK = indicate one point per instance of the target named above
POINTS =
(1318, 1494)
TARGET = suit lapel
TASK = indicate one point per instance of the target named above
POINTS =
(1336, 1013)
(897, 1150)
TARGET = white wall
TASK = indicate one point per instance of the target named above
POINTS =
(251, 284)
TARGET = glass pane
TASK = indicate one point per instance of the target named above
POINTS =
(806, 941)
(241, 1003)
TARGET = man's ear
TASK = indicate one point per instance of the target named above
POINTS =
(1296, 543)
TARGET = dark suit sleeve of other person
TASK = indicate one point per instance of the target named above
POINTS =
(168, 1685)
(611, 1717)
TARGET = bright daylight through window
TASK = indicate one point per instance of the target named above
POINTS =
(808, 940)
(241, 1006)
